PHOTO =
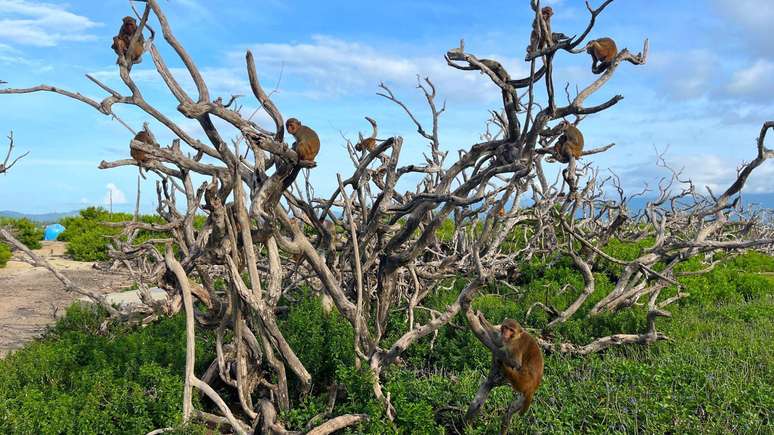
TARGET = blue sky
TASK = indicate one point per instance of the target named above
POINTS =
(702, 97)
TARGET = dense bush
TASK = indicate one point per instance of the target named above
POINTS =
(717, 372)
(77, 380)
(5, 254)
(88, 239)
(25, 231)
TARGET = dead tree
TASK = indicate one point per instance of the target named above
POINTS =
(5, 165)
(367, 249)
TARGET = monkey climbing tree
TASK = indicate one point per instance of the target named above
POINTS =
(372, 252)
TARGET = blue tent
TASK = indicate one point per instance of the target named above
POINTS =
(52, 232)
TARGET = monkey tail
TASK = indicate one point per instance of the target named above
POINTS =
(525, 405)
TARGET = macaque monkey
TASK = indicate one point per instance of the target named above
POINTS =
(138, 154)
(123, 46)
(501, 212)
(497, 68)
(602, 50)
(523, 365)
(307, 145)
(541, 39)
(569, 144)
(516, 360)
(368, 143)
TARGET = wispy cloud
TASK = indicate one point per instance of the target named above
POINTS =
(705, 170)
(41, 24)
(755, 82)
(114, 194)
(754, 17)
(334, 67)
(687, 74)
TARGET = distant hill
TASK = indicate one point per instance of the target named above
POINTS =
(41, 217)
(762, 200)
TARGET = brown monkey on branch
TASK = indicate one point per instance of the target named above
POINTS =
(524, 365)
(497, 68)
(123, 45)
(306, 146)
(516, 360)
(602, 50)
(138, 154)
(569, 144)
(541, 36)
(368, 143)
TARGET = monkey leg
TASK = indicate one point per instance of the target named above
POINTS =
(516, 405)
(600, 68)
(494, 379)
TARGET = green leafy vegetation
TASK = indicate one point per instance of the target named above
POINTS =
(5, 254)
(88, 239)
(25, 231)
(77, 380)
(716, 374)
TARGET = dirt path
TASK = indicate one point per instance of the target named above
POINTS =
(31, 298)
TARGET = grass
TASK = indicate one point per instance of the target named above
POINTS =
(714, 375)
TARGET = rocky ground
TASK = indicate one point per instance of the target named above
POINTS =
(31, 298)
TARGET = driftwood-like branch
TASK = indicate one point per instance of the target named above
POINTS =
(5, 166)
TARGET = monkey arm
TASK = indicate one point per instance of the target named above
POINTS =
(483, 332)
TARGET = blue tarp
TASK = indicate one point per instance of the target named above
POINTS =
(53, 231)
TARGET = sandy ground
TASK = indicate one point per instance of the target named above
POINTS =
(31, 298)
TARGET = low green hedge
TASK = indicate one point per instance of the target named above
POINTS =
(714, 375)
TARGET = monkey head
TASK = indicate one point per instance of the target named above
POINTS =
(129, 26)
(547, 12)
(292, 125)
(510, 329)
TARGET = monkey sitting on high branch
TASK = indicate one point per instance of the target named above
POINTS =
(126, 49)
(307, 145)
(569, 144)
(603, 51)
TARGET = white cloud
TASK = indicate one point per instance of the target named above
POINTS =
(329, 67)
(753, 17)
(755, 81)
(41, 24)
(687, 74)
(332, 67)
(705, 170)
(114, 194)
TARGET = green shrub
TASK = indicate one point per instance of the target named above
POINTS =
(77, 380)
(91, 245)
(5, 254)
(26, 231)
(89, 239)
(322, 341)
(130, 380)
